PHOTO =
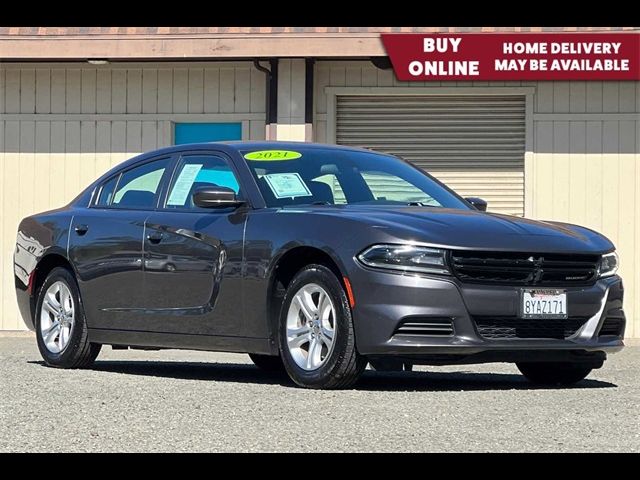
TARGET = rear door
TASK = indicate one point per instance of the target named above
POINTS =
(106, 242)
(193, 256)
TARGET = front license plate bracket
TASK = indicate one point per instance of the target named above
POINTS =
(543, 303)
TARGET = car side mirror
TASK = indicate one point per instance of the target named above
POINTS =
(478, 203)
(215, 197)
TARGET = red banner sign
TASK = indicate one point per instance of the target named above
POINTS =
(517, 56)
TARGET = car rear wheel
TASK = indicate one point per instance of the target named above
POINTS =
(61, 329)
(317, 339)
(553, 373)
(268, 363)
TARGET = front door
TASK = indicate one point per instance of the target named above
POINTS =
(106, 244)
(193, 256)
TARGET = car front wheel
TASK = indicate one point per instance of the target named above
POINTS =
(553, 373)
(317, 339)
(61, 330)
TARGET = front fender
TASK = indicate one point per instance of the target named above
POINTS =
(331, 251)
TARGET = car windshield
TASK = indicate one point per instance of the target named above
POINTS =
(334, 177)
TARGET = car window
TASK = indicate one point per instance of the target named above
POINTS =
(321, 176)
(386, 186)
(334, 184)
(197, 171)
(139, 186)
(106, 192)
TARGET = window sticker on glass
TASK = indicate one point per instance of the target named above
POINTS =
(287, 185)
(272, 155)
(183, 184)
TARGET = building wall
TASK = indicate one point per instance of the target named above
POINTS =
(586, 168)
(291, 85)
(63, 125)
(582, 163)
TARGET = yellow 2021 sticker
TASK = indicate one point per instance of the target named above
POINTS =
(272, 155)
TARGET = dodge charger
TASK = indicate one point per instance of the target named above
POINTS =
(316, 260)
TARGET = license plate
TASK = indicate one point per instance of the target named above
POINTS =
(543, 303)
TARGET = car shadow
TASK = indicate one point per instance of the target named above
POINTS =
(428, 381)
(462, 380)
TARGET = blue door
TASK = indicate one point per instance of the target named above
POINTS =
(207, 132)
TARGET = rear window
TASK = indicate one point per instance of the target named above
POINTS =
(139, 186)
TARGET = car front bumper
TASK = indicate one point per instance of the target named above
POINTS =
(384, 300)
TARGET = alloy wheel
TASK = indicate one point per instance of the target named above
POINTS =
(57, 316)
(311, 321)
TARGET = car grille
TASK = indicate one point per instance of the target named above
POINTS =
(497, 328)
(431, 326)
(524, 268)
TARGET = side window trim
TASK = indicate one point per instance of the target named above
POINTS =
(165, 181)
(96, 199)
(115, 189)
(177, 161)
(162, 201)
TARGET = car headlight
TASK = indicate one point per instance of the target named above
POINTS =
(608, 264)
(407, 258)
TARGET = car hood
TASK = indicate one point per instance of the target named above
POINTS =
(469, 229)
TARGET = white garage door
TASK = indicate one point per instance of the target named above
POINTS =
(473, 143)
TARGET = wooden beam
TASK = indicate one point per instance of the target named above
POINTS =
(192, 47)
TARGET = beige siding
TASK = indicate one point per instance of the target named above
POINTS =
(291, 102)
(61, 126)
(586, 172)
(291, 80)
(582, 162)
(586, 169)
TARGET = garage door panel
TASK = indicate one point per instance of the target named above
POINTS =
(470, 103)
(435, 132)
(473, 143)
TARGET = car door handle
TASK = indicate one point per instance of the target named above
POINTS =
(155, 237)
(81, 229)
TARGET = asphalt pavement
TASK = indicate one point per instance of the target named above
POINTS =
(199, 401)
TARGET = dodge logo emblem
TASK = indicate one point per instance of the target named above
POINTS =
(536, 275)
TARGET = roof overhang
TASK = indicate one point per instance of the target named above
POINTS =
(188, 47)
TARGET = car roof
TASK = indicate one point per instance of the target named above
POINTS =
(238, 145)
(231, 146)
(245, 145)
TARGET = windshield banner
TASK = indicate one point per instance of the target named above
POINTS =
(528, 56)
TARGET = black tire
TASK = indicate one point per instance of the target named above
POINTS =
(344, 364)
(268, 363)
(79, 352)
(553, 373)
